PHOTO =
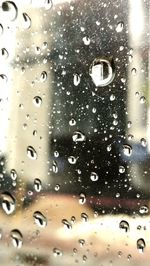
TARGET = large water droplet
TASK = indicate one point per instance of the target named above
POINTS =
(72, 160)
(102, 71)
(120, 27)
(48, 4)
(82, 198)
(32, 154)
(94, 176)
(144, 209)
(141, 245)
(17, 238)
(10, 9)
(57, 252)
(127, 150)
(37, 184)
(76, 79)
(78, 136)
(27, 21)
(40, 219)
(55, 167)
(124, 226)
(66, 224)
(37, 101)
(72, 122)
(43, 76)
(8, 203)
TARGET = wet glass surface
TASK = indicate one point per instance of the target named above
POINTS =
(75, 133)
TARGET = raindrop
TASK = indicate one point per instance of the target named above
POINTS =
(129, 124)
(27, 21)
(43, 77)
(11, 10)
(81, 242)
(127, 150)
(120, 27)
(37, 184)
(31, 153)
(133, 71)
(94, 176)
(57, 252)
(1, 29)
(56, 154)
(130, 58)
(73, 219)
(112, 97)
(82, 198)
(143, 142)
(124, 226)
(8, 203)
(78, 136)
(144, 209)
(4, 53)
(141, 245)
(57, 187)
(76, 79)
(66, 224)
(86, 40)
(13, 174)
(72, 160)
(121, 169)
(72, 122)
(48, 4)
(55, 167)
(3, 78)
(17, 238)
(84, 217)
(40, 219)
(102, 71)
(142, 100)
(37, 101)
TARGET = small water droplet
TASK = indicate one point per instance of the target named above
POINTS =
(142, 99)
(133, 71)
(57, 252)
(94, 176)
(124, 226)
(8, 203)
(127, 150)
(121, 169)
(55, 167)
(86, 40)
(144, 209)
(4, 53)
(112, 97)
(56, 154)
(13, 174)
(73, 219)
(81, 242)
(37, 184)
(27, 21)
(72, 160)
(120, 26)
(48, 4)
(129, 257)
(72, 122)
(37, 101)
(10, 9)
(66, 224)
(141, 245)
(84, 217)
(102, 71)
(43, 77)
(1, 29)
(143, 142)
(82, 198)
(78, 136)
(130, 58)
(76, 79)
(3, 79)
(31, 153)
(129, 124)
(40, 219)
(17, 238)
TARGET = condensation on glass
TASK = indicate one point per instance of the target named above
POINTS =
(75, 133)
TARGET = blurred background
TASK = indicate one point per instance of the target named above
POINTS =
(74, 138)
